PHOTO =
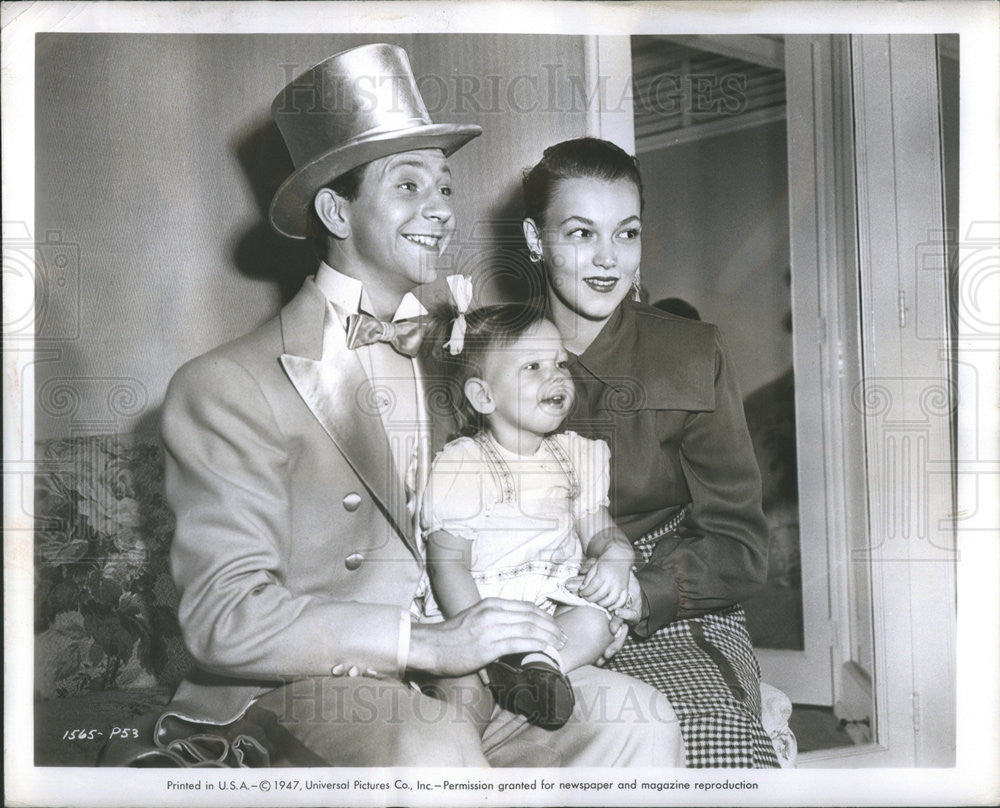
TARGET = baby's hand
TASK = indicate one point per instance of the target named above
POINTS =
(606, 582)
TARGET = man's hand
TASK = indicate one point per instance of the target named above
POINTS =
(485, 631)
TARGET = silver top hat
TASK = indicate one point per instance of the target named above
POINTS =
(350, 109)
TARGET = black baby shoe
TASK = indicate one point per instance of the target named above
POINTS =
(537, 689)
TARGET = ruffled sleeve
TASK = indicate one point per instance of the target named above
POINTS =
(454, 497)
(592, 461)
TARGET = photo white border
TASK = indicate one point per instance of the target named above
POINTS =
(975, 778)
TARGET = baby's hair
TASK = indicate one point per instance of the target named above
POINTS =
(487, 328)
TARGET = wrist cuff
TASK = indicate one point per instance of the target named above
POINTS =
(403, 648)
(660, 600)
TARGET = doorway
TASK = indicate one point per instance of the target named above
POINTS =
(711, 132)
(870, 127)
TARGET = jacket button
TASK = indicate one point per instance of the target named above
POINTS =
(352, 501)
(354, 560)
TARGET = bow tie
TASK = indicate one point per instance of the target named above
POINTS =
(403, 335)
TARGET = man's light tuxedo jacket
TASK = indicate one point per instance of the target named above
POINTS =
(294, 552)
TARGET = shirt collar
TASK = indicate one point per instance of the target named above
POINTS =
(348, 295)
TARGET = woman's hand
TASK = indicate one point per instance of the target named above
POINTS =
(621, 619)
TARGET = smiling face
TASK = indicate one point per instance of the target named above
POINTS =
(526, 390)
(590, 244)
(400, 222)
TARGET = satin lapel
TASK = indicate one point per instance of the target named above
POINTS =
(337, 385)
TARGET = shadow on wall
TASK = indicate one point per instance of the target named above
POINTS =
(260, 252)
(499, 256)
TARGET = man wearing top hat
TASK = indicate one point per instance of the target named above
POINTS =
(294, 456)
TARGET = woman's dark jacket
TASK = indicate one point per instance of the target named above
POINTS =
(659, 389)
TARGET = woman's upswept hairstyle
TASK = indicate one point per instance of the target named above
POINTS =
(486, 329)
(582, 158)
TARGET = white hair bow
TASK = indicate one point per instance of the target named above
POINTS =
(461, 292)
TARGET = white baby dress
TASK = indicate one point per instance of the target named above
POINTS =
(518, 512)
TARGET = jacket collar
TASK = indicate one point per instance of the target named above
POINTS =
(303, 321)
(331, 381)
(653, 360)
(616, 340)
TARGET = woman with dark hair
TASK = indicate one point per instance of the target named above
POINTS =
(685, 486)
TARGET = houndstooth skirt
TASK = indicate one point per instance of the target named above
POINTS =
(706, 667)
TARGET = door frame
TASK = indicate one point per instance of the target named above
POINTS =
(869, 289)
(893, 580)
(825, 354)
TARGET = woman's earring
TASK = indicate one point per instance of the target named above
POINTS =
(636, 289)
(534, 256)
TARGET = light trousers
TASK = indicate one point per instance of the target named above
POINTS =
(356, 721)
